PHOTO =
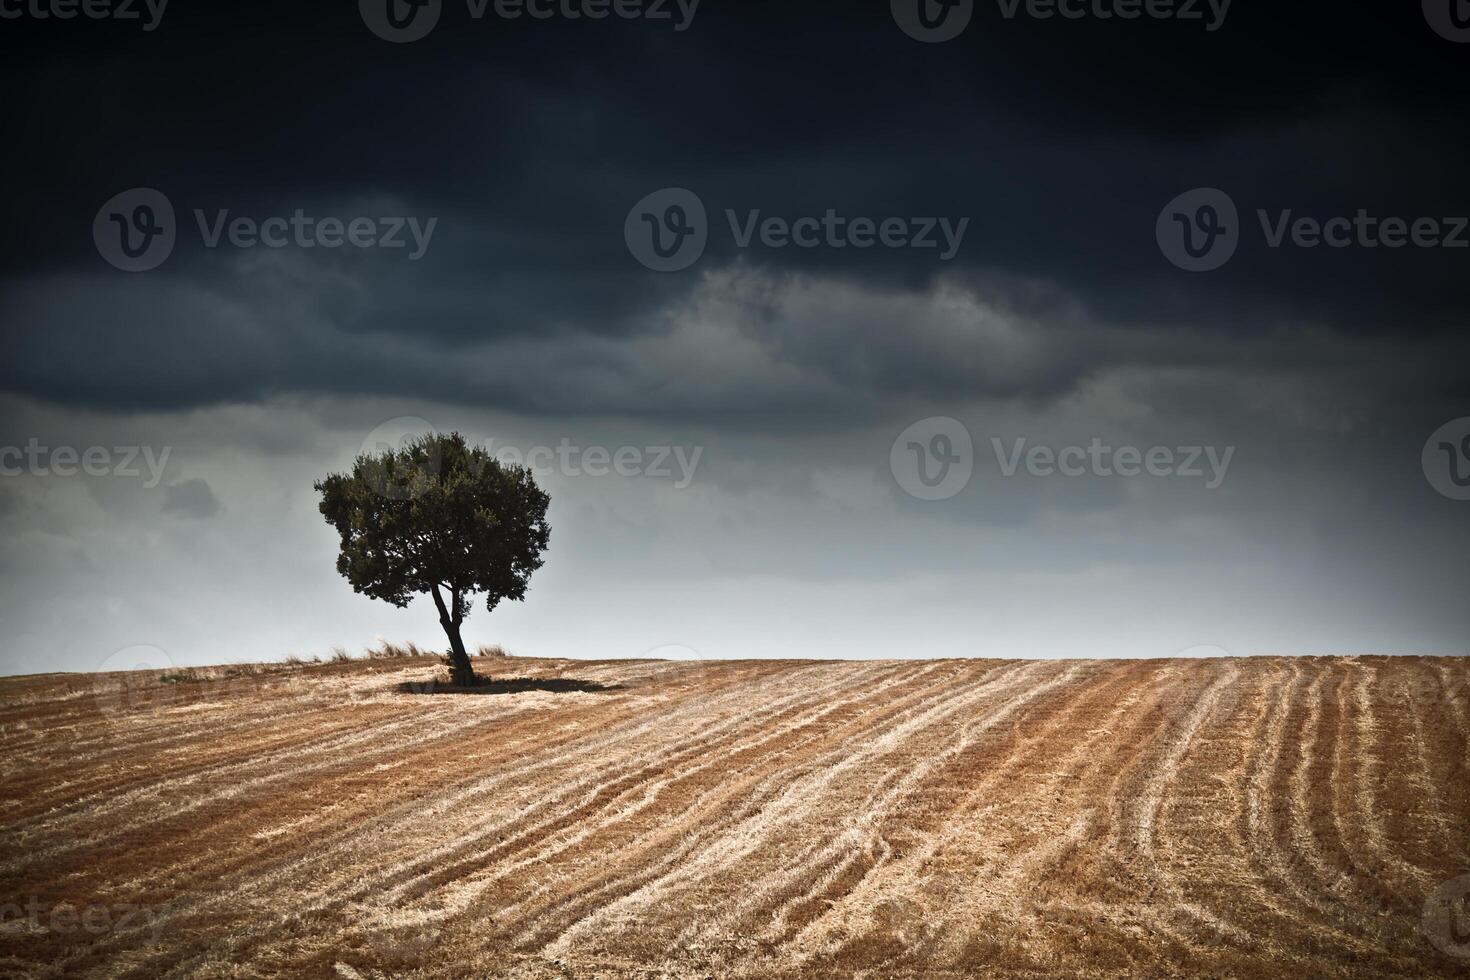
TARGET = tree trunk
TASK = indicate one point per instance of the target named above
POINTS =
(461, 671)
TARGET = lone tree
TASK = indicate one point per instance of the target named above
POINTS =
(442, 517)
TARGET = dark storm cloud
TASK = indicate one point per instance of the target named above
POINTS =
(529, 141)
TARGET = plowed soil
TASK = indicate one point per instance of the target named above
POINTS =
(1263, 817)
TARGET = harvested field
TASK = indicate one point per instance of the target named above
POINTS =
(1261, 817)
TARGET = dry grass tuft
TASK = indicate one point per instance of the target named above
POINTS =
(396, 651)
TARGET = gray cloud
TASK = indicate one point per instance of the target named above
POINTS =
(190, 498)
(528, 322)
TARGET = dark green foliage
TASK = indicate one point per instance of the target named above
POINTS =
(439, 517)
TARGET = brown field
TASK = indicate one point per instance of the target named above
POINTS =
(1269, 817)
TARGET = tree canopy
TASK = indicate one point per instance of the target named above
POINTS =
(438, 517)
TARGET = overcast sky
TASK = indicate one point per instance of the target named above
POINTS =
(895, 428)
